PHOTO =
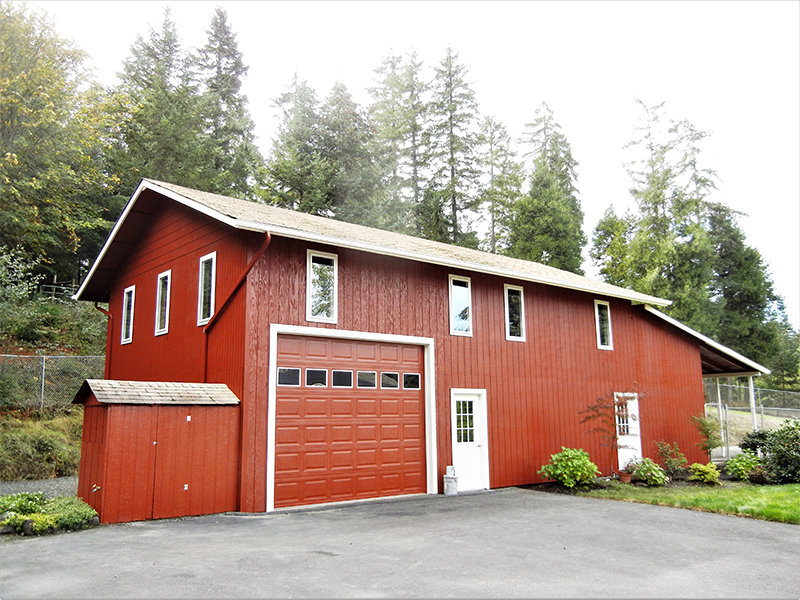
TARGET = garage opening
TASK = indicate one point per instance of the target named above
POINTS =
(349, 420)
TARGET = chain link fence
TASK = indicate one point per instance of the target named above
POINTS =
(40, 382)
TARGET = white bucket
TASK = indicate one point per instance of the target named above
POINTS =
(450, 485)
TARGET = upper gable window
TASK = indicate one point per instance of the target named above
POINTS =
(163, 287)
(460, 306)
(128, 300)
(602, 319)
(206, 290)
(515, 313)
(321, 287)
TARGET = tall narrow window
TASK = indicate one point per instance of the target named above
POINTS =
(206, 288)
(128, 299)
(602, 319)
(321, 287)
(460, 306)
(163, 286)
(515, 314)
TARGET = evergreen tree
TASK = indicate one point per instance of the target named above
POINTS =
(163, 135)
(547, 225)
(346, 143)
(399, 115)
(504, 182)
(235, 158)
(299, 174)
(453, 140)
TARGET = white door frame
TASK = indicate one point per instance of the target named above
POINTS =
(429, 380)
(628, 446)
(481, 423)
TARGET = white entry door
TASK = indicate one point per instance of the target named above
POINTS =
(470, 439)
(629, 440)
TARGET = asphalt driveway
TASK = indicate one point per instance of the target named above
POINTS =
(504, 543)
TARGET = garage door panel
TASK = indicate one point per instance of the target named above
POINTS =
(340, 443)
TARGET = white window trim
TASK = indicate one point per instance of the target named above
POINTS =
(309, 272)
(509, 337)
(125, 309)
(600, 345)
(168, 276)
(201, 320)
(451, 279)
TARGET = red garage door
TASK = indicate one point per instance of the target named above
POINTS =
(350, 420)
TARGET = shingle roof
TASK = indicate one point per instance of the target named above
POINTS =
(155, 392)
(252, 216)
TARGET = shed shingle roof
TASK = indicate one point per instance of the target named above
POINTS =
(108, 391)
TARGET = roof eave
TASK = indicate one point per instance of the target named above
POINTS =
(757, 369)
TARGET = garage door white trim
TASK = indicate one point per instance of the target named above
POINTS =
(276, 329)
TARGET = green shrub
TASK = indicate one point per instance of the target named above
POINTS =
(672, 458)
(24, 503)
(782, 449)
(741, 465)
(649, 472)
(755, 440)
(65, 512)
(69, 511)
(704, 473)
(33, 452)
(40, 522)
(570, 467)
(708, 428)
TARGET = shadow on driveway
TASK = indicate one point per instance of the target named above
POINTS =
(503, 543)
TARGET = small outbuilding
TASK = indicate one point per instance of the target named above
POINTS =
(154, 450)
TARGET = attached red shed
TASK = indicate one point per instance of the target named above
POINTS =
(158, 450)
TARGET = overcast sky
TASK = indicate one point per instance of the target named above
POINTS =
(730, 68)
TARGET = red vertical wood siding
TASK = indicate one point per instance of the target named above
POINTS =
(535, 389)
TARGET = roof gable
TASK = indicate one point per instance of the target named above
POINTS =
(252, 216)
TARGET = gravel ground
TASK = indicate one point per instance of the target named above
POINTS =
(60, 486)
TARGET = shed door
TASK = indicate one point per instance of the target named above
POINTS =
(350, 420)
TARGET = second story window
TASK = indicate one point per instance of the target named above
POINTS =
(163, 286)
(321, 287)
(206, 290)
(128, 299)
(602, 319)
(460, 306)
(515, 313)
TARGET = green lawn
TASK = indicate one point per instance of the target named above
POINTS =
(767, 502)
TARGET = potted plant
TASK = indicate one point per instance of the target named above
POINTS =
(626, 472)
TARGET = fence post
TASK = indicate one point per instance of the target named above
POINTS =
(41, 395)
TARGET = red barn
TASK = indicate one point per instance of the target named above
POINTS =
(366, 362)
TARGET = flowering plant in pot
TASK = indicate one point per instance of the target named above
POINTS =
(626, 472)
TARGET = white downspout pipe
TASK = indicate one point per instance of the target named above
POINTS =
(752, 402)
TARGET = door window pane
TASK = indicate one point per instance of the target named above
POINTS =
(465, 429)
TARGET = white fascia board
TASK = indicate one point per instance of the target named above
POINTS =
(757, 368)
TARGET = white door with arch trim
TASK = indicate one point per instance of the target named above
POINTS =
(629, 439)
(470, 436)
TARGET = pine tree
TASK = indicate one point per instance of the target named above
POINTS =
(299, 175)
(235, 158)
(453, 140)
(399, 114)
(504, 182)
(547, 224)
(163, 135)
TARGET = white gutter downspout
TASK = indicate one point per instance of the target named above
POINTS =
(752, 402)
